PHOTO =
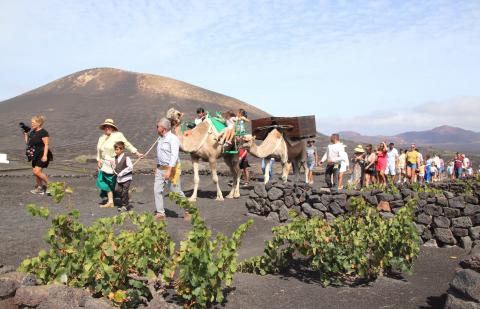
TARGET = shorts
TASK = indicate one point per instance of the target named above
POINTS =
(310, 165)
(37, 161)
(244, 164)
(413, 166)
(390, 170)
(371, 170)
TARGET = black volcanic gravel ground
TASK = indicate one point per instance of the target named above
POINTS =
(21, 237)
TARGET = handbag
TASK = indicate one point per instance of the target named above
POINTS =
(29, 152)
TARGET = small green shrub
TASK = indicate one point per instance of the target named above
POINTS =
(114, 261)
(203, 262)
(390, 188)
(101, 259)
(360, 245)
(58, 190)
(417, 187)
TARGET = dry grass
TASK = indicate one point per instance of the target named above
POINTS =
(83, 159)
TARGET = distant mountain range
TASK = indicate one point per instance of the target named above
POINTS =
(443, 137)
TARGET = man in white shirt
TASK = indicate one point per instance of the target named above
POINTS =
(168, 147)
(466, 165)
(392, 157)
(332, 156)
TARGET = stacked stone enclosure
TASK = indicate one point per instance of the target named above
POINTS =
(447, 213)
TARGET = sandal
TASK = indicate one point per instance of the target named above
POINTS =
(107, 205)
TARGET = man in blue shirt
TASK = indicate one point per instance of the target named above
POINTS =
(168, 147)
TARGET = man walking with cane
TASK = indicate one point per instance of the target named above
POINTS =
(166, 174)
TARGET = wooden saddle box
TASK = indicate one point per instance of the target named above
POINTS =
(295, 128)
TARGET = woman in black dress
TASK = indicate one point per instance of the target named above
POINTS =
(38, 143)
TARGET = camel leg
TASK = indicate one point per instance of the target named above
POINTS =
(213, 168)
(235, 170)
(196, 180)
(284, 171)
(296, 171)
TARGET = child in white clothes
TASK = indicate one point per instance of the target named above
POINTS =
(343, 166)
(228, 133)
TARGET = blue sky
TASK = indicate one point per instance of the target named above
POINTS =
(376, 67)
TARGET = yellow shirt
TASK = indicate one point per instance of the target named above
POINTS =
(412, 157)
(106, 150)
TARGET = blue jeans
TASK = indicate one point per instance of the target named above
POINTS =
(458, 173)
(158, 188)
(271, 167)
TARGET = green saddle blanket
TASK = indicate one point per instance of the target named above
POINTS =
(217, 122)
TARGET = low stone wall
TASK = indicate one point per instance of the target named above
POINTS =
(448, 216)
(19, 290)
(464, 290)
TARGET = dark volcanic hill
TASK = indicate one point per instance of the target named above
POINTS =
(74, 106)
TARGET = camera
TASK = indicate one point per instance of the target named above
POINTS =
(24, 127)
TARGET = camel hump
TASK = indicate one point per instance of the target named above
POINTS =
(192, 139)
(296, 142)
(276, 133)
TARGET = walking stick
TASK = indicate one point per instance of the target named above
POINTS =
(146, 153)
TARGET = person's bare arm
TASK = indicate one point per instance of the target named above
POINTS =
(45, 149)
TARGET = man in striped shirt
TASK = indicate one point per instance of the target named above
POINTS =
(167, 158)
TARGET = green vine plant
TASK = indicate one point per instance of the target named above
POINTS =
(359, 246)
(100, 259)
(205, 264)
(390, 188)
(470, 186)
(127, 257)
(417, 187)
(58, 190)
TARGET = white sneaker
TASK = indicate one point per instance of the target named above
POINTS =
(38, 190)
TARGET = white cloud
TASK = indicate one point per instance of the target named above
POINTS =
(287, 57)
(462, 112)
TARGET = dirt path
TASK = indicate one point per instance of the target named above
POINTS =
(21, 237)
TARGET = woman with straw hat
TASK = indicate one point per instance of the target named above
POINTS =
(358, 166)
(105, 157)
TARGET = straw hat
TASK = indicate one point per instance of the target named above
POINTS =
(359, 149)
(108, 122)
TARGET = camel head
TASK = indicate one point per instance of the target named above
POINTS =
(247, 141)
(174, 115)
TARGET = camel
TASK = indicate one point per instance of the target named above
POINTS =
(282, 149)
(202, 144)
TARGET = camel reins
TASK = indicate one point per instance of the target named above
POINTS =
(146, 153)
